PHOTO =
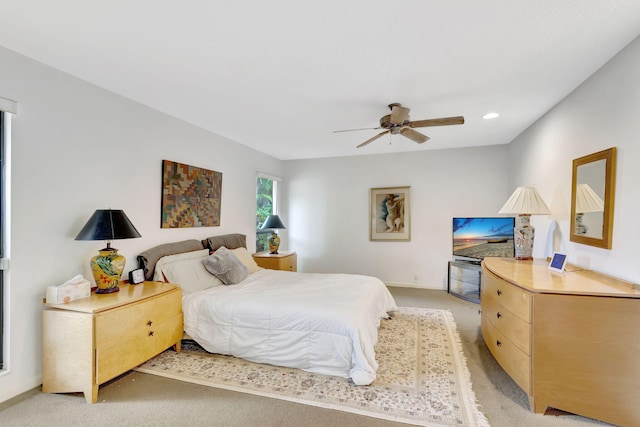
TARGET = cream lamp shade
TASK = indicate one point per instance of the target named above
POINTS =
(525, 201)
(587, 200)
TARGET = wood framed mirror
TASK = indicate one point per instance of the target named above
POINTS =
(592, 196)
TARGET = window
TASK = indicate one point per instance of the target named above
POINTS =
(6, 106)
(266, 204)
(2, 232)
(1, 238)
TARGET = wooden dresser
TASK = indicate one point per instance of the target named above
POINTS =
(90, 341)
(570, 340)
(281, 261)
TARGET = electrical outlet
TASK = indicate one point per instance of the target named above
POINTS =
(415, 277)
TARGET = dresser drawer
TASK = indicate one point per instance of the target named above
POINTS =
(511, 326)
(514, 299)
(289, 263)
(143, 330)
(514, 361)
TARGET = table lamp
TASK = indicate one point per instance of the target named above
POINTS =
(107, 266)
(586, 201)
(273, 223)
(525, 201)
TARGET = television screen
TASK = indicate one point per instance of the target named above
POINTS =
(476, 238)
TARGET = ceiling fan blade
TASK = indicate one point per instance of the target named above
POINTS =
(399, 114)
(351, 130)
(414, 135)
(372, 139)
(444, 121)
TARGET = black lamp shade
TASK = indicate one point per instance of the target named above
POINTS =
(108, 224)
(272, 222)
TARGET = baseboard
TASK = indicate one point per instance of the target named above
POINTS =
(414, 285)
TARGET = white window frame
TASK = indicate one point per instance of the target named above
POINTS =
(7, 108)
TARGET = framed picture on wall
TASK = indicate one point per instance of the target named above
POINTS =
(390, 214)
(191, 196)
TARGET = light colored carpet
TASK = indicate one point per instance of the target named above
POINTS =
(422, 378)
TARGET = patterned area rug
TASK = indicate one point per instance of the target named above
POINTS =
(422, 377)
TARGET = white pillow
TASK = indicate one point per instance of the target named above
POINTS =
(245, 257)
(186, 270)
(168, 259)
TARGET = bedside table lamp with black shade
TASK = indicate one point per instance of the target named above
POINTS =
(273, 223)
(107, 266)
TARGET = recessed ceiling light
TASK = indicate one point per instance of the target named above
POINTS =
(491, 116)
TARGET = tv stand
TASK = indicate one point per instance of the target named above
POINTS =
(464, 280)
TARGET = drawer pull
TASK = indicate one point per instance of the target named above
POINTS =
(498, 315)
(149, 323)
(499, 292)
(498, 343)
(150, 333)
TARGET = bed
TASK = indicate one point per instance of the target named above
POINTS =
(321, 323)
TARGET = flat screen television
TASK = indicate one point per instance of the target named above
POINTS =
(475, 238)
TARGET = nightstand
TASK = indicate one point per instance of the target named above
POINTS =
(281, 261)
(90, 341)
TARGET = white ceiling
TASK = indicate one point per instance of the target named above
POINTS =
(281, 75)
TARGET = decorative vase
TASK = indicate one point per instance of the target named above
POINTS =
(107, 269)
(274, 243)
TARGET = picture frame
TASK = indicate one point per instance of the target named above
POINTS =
(390, 214)
(558, 262)
(191, 196)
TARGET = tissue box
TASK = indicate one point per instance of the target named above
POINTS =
(76, 288)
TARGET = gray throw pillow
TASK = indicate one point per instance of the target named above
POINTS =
(226, 266)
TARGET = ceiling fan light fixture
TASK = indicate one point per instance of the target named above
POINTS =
(490, 116)
(399, 122)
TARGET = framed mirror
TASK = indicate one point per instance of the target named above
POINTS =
(592, 196)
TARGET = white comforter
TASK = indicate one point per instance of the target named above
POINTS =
(322, 323)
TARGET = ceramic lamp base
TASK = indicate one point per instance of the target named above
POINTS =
(274, 243)
(524, 234)
(107, 269)
(580, 227)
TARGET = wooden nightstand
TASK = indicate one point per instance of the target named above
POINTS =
(90, 341)
(280, 261)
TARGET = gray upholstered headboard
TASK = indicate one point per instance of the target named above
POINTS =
(229, 241)
(147, 260)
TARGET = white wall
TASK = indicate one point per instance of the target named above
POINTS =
(66, 133)
(328, 210)
(602, 113)
(77, 148)
(328, 198)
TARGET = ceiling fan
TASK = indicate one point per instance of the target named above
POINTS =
(398, 123)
